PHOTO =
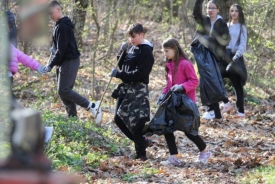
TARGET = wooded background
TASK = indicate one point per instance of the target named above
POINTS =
(101, 152)
(100, 28)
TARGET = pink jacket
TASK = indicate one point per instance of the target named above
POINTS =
(186, 76)
(18, 56)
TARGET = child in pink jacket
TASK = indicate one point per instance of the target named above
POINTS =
(16, 55)
(19, 57)
(180, 76)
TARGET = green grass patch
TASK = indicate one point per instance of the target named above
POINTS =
(76, 143)
(264, 174)
(145, 172)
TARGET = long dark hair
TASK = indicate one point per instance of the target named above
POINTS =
(172, 43)
(241, 15)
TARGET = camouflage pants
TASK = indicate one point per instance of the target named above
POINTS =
(135, 104)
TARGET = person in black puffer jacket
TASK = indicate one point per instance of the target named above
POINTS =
(213, 33)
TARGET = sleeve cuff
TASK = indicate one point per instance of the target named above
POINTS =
(118, 75)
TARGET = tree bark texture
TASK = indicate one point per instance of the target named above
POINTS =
(79, 17)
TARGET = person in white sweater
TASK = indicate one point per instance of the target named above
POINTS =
(235, 51)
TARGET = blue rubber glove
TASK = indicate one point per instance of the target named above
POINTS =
(41, 69)
(47, 69)
(124, 45)
(160, 99)
(177, 87)
(234, 59)
(114, 72)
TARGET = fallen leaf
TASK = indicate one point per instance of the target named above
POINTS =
(103, 166)
(228, 144)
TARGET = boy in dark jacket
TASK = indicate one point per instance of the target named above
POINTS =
(133, 110)
(65, 56)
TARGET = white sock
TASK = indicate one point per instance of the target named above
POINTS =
(91, 105)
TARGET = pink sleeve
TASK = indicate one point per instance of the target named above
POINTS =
(27, 60)
(168, 84)
(192, 79)
(166, 89)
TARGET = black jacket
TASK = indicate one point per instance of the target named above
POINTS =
(137, 63)
(219, 38)
(64, 43)
(12, 27)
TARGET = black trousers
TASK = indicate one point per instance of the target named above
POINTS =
(216, 108)
(66, 76)
(171, 143)
(137, 135)
(238, 88)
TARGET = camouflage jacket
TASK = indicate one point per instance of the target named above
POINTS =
(135, 104)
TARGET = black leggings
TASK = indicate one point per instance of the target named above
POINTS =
(238, 89)
(216, 108)
(171, 143)
(136, 136)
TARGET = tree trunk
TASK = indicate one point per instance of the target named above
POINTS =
(224, 7)
(95, 18)
(79, 17)
(6, 4)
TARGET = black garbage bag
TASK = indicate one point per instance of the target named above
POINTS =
(211, 83)
(186, 115)
(160, 123)
(176, 112)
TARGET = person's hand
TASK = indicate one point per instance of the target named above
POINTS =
(47, 69)
(124, 45)
(177, 87)
(114, 72)
(41, 69)
(160, 99)
(234, 59)
(229, 66)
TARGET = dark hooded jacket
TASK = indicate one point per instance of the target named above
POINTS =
(137, 63)
(218, 38)
(64, 44)
(12, 27)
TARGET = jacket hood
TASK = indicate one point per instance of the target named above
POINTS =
(146, 42)
(218, 17)
(65, 20)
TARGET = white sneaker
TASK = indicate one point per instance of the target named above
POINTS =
(99, 114)
(172, 160)
(226, 107)
(241, 115)
(208, 115)
(204, 156)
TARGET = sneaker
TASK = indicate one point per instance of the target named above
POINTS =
(142, 158)
(208, 115)
(172, 160)
(226, 107)
(241, 115)
(204, 156)
(99, 114)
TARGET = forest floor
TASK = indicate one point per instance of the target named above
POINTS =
(239, 146)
